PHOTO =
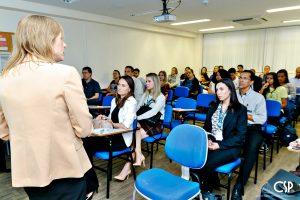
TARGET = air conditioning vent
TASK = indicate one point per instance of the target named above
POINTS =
(250, 21)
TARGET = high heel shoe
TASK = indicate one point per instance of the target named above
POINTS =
(140, 161)
(122, 177)
(90, 197)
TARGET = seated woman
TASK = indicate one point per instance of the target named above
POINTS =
(192, 83)
(112, 88)
(226, 125)
(273, 91)
(221, 73)
(122, 115)
(164, 85)
(205, 81)
(156, 101)
(173, 78)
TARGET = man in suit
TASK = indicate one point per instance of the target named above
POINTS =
(256, 115)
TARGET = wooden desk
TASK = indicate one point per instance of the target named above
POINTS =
(99, 107)
(101, 132)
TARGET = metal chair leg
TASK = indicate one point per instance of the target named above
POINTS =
(228, 186)
(151, 155)
(256, 170)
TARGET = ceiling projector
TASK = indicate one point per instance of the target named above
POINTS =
(164, 18)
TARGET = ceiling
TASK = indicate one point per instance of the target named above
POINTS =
(220, 12)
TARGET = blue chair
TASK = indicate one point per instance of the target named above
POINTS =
(170, 97)
(227, 170)
(274, 111)
(185, 103)
(161, 136)
(107, 100)
(180, 91)
(203, 101)
(186, 145)
(109, 155)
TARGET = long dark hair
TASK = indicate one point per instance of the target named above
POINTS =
(234, 102)
(120, 102)
(205, 77)
(285, 74)
(275, 83)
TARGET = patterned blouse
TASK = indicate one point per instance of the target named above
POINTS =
(217, 123)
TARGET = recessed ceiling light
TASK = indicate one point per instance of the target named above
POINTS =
(190, 22)
(291, 21)
(283, 9)
(217, 28)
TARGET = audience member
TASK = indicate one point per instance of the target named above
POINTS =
(46, 115)
(173, 78)
(296, 83)
(184, 75)
(256, 86)
(112, 88)
(203, 70)
(192, 83)
(136, 74)
(273, 91)
(221, 73)
(205, 81)
(155, 100)
(256, 115)
(234, 78)
(226, 126)
(122, 115)
(91, 87)
(138, 85)
(264, 74)
(216, 69)
(240, 69)
(164, 85)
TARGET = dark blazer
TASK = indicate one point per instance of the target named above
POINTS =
(234, 126)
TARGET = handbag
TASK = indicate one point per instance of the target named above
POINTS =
(152, 121)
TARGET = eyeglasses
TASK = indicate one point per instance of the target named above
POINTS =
(244, 78)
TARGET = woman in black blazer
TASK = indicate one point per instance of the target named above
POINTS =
(226, 126)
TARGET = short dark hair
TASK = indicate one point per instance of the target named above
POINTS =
(232, 70)
(130, 67)
(252, 75)
(137, 70)
(87, 68)
(241, 66)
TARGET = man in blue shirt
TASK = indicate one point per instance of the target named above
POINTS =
(91, 87)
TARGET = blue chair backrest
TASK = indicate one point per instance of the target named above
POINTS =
(182, 91)
(107, 100)
(186, 103)
(273, 108)
(100, 97)
(168, 114)
(201, 88)
(187, 145)
(170, 96)
(203, 100)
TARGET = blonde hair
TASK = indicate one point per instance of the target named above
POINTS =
(34, 36)
(156, 88)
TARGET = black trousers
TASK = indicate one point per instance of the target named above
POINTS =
(2, 157)
(253, 141)
(208, 176)
(66, 189)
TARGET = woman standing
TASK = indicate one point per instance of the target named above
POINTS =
(43, 112)
(226, 125)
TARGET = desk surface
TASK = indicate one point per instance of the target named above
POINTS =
(184, 110)
(99, 107)
(100, 132)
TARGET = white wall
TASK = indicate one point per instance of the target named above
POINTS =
(105, 46)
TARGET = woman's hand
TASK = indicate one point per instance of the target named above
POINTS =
(213, 145)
